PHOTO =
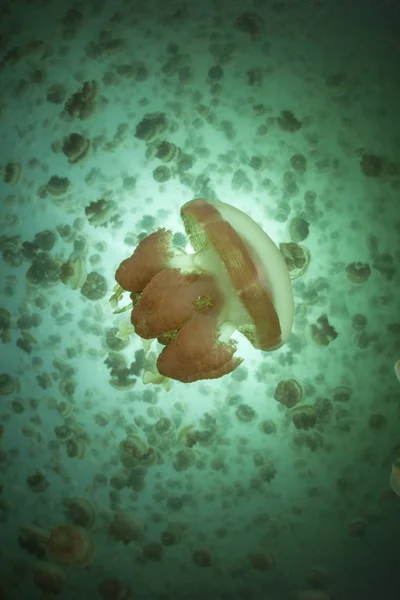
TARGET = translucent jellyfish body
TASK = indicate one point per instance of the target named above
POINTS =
(236, 279)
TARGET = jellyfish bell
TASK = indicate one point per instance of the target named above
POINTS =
(71, 545)
(236, 279)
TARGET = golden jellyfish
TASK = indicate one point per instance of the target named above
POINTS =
(202, 557)
(75, 147)
(123, 528)
(152, 551)
(289, 392)
(358, 322)
(29, 430)
(37, 482)
(297, 258)
(48, 578)
(34, 540)
(73, 272)
(236, 279)
(81, 511)
(71, 545)
(395, 477)
(184, 459)
(267, 426)
(64, 408)
(206, 437)
(132, 450)
(304, 417)
(262, 561)
(342, 393)
(11, 173)
(358, 272)
(298, 228)
(172, 535)
(99, 212)
(112, 589)
(245, 413)
(102, 419)
(165, 427)
(76, 447)
(322, 332)
(188, 435)
(150, 458)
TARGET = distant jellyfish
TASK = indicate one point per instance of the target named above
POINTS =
(173, 534)
(112, 589)
(34, 540)
(304, 417)
(297, 258)
(262, 561)
(184, 459)
(377, 422)
(395, 477)
(245, 413)
(124, 528)
(152, 551)
(11, 173)
(81, 511)
(289, 392)
(358, 272)
(164, 427)
(75, 147)
(132, 450)
(48, 578)
(71, 545)
(357, 528)
(37, 482)
(267, 426)
(73, 272)
(397, 369)
(202, 557)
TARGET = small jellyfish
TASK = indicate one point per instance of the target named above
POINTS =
(395, 477)
(71, 545)
(48, 578)
(397, 369)
(81, 511)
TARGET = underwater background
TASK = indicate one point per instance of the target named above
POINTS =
(272, 482)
